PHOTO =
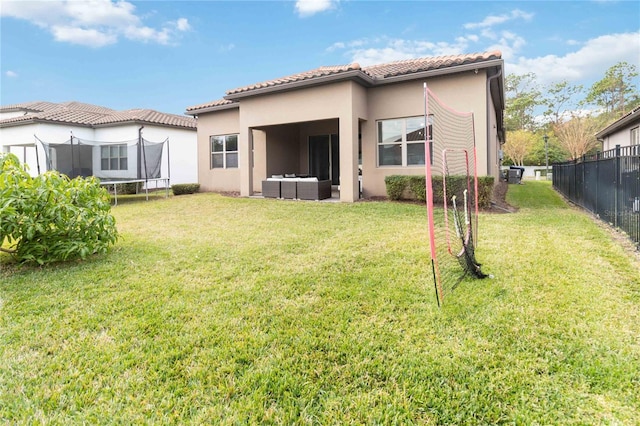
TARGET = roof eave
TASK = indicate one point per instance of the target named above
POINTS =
(440, 71)
(142, 123)
(617, 125)
(44, 121)
(18, 122)
(355, 75)
(214, 108)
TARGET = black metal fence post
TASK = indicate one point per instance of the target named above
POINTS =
(617, 187)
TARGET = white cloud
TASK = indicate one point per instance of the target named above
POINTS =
(311, 7)
(85, 37)
(384, 49)
(508, 43)
(182, 24)
(11, 74)
(336, 46)
(590, 61)
(493, 20)
(93, 23)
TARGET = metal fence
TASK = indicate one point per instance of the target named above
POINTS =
(607, 184)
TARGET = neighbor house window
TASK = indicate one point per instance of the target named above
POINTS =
(635, 136)
(113, 157)
(401, 141)
(224, 152)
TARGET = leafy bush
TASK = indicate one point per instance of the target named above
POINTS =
(52, 218)
(129, 188)
(395, 186)
(485, 189)
(185, 188)
(415, 188)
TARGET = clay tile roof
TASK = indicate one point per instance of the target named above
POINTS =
(91, 115)
(374, 73)
(216, 103)
(410, 66)
(147, 116)
(315, 73)
(37, 106)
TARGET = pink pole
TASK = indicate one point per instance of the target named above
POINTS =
(429, 197)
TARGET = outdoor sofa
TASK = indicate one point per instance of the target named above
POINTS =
(296, 187)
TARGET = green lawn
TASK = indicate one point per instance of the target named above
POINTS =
(215, 310)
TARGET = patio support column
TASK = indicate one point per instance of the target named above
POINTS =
(349, 187)
(245, 141)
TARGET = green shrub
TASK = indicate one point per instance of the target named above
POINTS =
(415, 188)
(50, 217)
(485, 189)
(395, 186)
(129, 188)
(185, 188)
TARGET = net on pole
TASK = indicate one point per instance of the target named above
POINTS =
(451, 194)
(135, 159)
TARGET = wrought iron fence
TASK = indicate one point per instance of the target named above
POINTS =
(607, 184)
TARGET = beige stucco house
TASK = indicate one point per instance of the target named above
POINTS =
(623, 132)
(328, 122)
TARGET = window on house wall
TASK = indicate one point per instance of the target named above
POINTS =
(401, 141)
(635, 136)
(224, 152)
(113, 157)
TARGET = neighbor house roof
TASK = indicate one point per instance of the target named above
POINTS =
(369, 76)
(89, 115)
(629, 118)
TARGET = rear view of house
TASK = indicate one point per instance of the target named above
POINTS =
(348, 124)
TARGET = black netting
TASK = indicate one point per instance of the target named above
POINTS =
(136, 159)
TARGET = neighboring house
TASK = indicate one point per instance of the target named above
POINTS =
(328, 122)
(623, 132)
(53, 123)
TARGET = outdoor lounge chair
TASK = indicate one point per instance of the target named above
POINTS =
(314, 190)
(271, 188)
(288, 188)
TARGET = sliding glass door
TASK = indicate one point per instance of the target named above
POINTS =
(324, 158)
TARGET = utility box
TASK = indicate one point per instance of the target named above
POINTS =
(514, 176)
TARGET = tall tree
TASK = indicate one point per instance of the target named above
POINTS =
(518, 146)
(577, 135)
(523, 96)
(616, 93)
(540, 151)
(560, 99)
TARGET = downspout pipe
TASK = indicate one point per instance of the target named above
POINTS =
(498, 74)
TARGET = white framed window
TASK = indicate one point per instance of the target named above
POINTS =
(224, 151)
(113, 157)
(635, 136)
(401, 141)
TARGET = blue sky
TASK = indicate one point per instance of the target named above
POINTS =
(168, 55)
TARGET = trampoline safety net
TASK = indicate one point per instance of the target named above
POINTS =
(137, 159)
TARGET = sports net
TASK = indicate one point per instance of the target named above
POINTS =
(137, 159)
(452, 201)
